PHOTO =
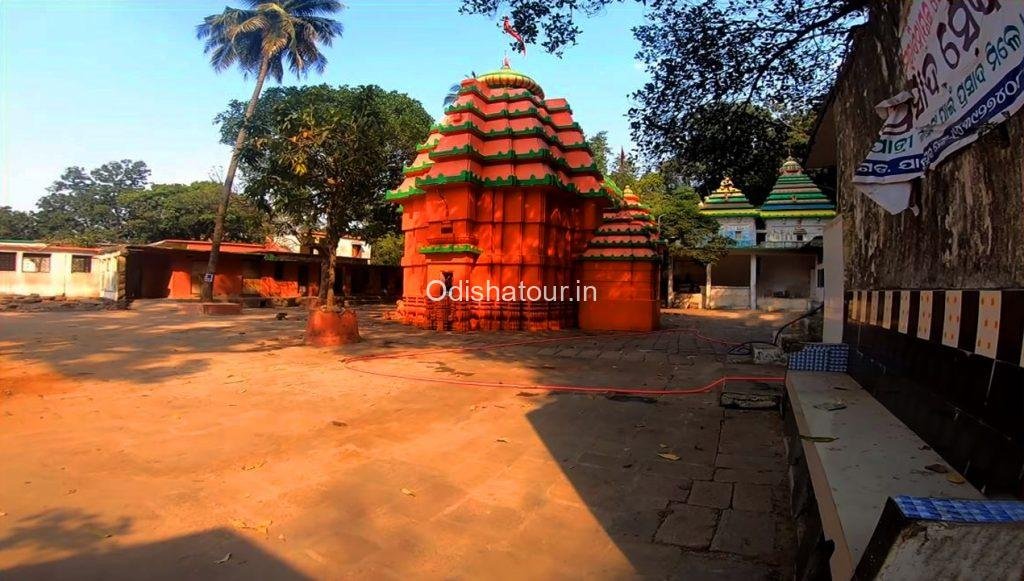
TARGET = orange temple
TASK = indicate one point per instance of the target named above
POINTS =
(504, 194)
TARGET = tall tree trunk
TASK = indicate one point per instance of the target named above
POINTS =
(206, 292)
(328, 250)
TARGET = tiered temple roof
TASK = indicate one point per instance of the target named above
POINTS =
(796, 196)
(502, 132)
(628, 233)
(728, 201)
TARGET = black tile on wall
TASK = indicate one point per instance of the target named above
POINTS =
(914, 313)
(894, 312)
(938, 315)
(1011, 326)
(969, 382)
(968, 320)
(1004, 409)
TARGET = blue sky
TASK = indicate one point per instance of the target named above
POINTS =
(84, 82)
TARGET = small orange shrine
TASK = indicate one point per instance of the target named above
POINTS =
(622, 263)
(504, 194)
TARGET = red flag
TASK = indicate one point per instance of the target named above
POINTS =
(506, 26)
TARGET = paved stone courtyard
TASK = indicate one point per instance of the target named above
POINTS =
(144, 440)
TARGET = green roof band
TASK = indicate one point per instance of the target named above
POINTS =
(509, 156)
(450, 249)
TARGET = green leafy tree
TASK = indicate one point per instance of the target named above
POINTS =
(689, 233)
(388, 250)
(653, 193)
(169, 211)
(82, 207)
(624, 170)
(601, 150)
(325, 156)
(745, 142)
(260, 40)
(17, 225)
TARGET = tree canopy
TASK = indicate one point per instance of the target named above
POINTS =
(259, 40)
(115, 203)
(82, 206)
(323, 157)
(270, 34)
(688, 232)
(601, 150)
(17, 225)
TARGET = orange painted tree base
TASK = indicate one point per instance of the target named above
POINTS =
(330, 328)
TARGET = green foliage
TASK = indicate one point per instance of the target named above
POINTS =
(324, 157)
(82, 207)
(17, 225)
(187, 212)
(115, 204)
(689, 233)
(653, 193)
(269, 33)
(624, 170)
(745, 142)
(388, 249)
(601, 150)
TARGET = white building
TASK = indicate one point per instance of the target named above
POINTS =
(28, 268)
(348, 247)
(775, 267)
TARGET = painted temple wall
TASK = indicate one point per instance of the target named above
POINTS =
(742, 230)
(786, 229)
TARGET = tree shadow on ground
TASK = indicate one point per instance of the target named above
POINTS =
(164, 344)
(96, 554)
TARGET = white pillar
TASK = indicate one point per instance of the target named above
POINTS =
(753, 281)
(707, 286)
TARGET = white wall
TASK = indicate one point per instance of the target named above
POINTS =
(728, 297)
(785, 229)
(344, 246)
(58, 281)
(106, 266)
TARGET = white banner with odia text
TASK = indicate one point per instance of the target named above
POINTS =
(963, 65)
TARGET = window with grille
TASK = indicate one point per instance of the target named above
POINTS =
(7, 261)
(35, 262)
(81, 264)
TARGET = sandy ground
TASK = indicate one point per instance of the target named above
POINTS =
(145, 443)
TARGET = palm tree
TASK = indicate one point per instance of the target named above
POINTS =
(259, 39)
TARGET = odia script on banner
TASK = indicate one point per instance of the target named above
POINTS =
(963, 65)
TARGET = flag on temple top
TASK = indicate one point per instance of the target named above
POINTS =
(963, 65)
(507, 28)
